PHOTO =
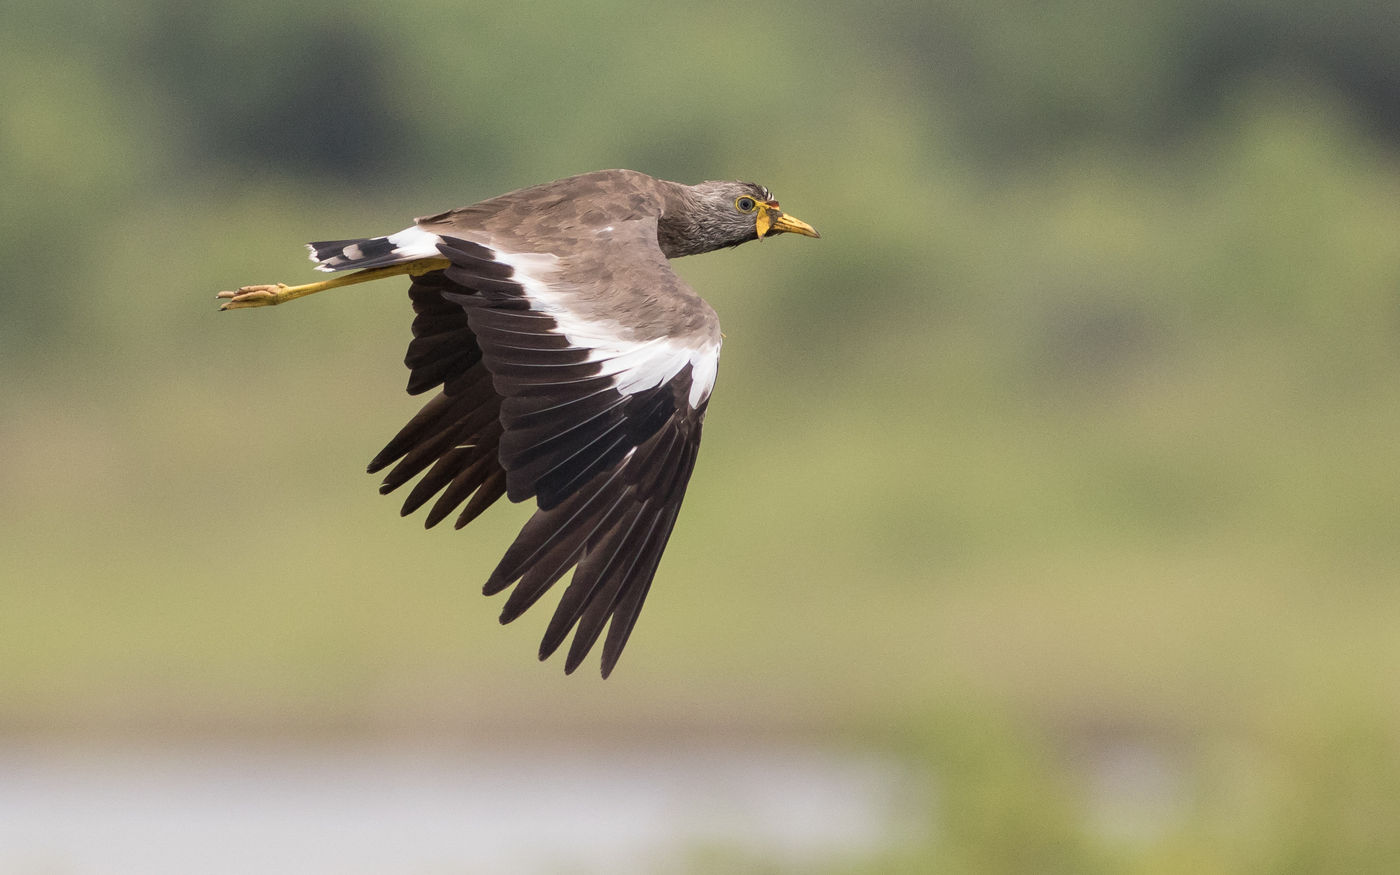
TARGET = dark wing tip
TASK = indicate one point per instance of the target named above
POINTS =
(606, 455)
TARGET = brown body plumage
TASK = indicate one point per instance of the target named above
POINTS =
(573, 366)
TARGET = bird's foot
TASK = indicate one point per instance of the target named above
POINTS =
(280, 293)
(254, 296)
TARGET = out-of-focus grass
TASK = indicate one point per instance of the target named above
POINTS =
(1010, 474)
(988, 533)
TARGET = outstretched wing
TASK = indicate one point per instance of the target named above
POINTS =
(456, 436)
(579, 381)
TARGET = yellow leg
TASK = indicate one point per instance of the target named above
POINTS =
(270, 295)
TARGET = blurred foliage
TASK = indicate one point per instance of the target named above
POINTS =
(1074, 435)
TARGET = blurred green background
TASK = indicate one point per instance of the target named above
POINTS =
(1071, 443)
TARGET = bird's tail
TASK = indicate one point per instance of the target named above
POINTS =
(409, 244)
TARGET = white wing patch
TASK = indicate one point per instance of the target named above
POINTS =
(704, 367)
(635, 366)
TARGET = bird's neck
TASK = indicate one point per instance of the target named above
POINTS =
(678, 224)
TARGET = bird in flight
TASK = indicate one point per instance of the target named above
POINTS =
(572, 366)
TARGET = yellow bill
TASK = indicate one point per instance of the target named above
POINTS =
(772, 220)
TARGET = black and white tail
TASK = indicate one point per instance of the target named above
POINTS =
(409, 244)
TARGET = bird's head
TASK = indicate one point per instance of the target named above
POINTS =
(720, 214)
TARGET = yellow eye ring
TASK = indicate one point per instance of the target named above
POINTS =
(745, 204)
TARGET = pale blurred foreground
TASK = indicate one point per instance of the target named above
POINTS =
(410, 807)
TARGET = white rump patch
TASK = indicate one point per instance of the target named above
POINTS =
(410, 244)
(415, 243)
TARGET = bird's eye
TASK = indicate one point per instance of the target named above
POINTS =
(745, 204)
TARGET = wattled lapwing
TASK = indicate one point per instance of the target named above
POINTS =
(573, 366)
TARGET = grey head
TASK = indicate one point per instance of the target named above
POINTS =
(714, 215)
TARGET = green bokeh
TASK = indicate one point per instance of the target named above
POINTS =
(1074, 433)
